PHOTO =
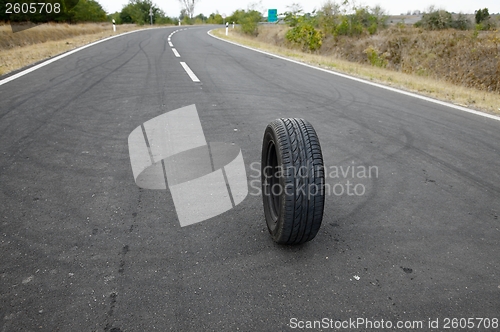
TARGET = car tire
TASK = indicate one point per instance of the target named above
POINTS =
(293, 181)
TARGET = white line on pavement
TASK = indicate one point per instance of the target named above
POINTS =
(59, 57)
(189, 72)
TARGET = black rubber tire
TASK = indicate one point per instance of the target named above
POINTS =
(293, 198)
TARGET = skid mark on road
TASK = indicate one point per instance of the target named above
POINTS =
(113, 296)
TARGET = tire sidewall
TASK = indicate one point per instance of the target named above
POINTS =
(275, 228)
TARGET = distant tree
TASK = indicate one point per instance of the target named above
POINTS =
(216, 18)
(87, 11)
(436, 20)
(441, 19)
(115, 16)
(183, 14)
(461, 22)
(236, 16)
(200, 19)
(249, 22)
(137, 11)
(189, 6)
(482, 15)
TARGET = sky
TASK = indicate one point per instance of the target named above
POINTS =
(393, 7)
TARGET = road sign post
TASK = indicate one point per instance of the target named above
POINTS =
(151, 14)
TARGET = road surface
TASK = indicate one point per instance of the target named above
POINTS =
(83, 248)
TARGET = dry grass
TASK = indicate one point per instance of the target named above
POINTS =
(271, 40)
(465, 58)
(21, 49)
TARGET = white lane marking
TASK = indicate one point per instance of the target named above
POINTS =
(177, 55)
(411, 94)
(170, 44)
(59, 57)
(189, 72)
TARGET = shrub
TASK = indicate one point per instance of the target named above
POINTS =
(436, 20)
(215, 19)
(482, 15)
(461, 23)
(250, 22)
(303, 32)
(483, 20)
(333, 20)
(441, 19)
(306, 36)
(375, 58)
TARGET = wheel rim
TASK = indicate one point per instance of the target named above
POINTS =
(272, 181)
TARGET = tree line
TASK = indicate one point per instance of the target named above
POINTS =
(134, 12)
(70, 11)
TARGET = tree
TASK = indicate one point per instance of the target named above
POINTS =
(435, 20)
(72, 11)
(189, 6)
(87, 11)
(216, 18)
(461, 22)
(200, 19)
(249, 22)
(137, 11)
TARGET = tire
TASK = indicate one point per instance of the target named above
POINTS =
(293, 181)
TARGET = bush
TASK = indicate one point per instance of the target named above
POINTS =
(250, 22)
(332, 20)
(306, 36)
(215, 19)
(482, 15)
(303, 32)
(436, 20)
(375, 58)
(483, 20)
(441, 19)
(461, 23)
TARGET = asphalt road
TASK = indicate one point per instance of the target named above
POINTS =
(84, 249)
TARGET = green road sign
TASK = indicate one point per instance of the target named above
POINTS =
(272, 15)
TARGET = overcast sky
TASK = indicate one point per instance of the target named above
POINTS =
(395, 7)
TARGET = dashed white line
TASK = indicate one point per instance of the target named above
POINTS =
(189, 72)
(177, 55)
(170, 44)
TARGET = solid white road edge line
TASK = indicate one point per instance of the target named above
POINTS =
(189, 72)
(411, 94)
(59, 57)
